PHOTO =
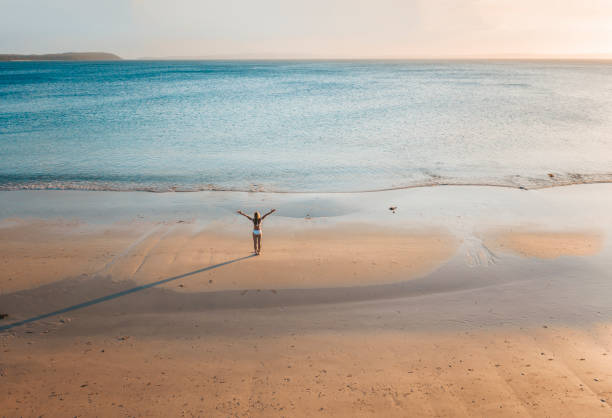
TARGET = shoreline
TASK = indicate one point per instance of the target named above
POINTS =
(531, 184)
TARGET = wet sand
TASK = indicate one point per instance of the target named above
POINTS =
(501, 309)
(545, 244)
(39, 252)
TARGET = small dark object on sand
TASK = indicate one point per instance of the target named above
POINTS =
(3, 315)
(393, 208)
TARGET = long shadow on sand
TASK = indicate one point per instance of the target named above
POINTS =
(119, 294)
(512, 291)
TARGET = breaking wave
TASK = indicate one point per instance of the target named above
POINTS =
(518, 182)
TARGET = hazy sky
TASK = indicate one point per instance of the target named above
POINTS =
(309, 28)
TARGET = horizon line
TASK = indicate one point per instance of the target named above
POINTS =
(377, 58)
(485, 56)
(272, 56)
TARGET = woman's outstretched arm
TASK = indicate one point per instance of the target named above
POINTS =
(245, 215)
(264, 217)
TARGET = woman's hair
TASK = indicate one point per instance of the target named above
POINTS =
(256, 217)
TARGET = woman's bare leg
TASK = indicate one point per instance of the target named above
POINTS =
(258, 243)
(255, 243)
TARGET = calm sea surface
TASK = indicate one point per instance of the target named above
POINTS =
(302, 126)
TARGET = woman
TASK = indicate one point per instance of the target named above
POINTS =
(257, 220)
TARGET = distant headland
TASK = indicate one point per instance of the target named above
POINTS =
(65, 56)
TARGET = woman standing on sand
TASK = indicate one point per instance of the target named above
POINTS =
(257, 220)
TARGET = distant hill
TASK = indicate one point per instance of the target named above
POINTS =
(65, 56)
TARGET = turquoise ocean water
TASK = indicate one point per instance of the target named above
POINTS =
(302, 126)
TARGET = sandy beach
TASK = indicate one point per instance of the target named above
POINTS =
(306, 209)
(468, 301)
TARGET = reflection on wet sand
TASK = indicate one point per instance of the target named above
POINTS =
(547, 244)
